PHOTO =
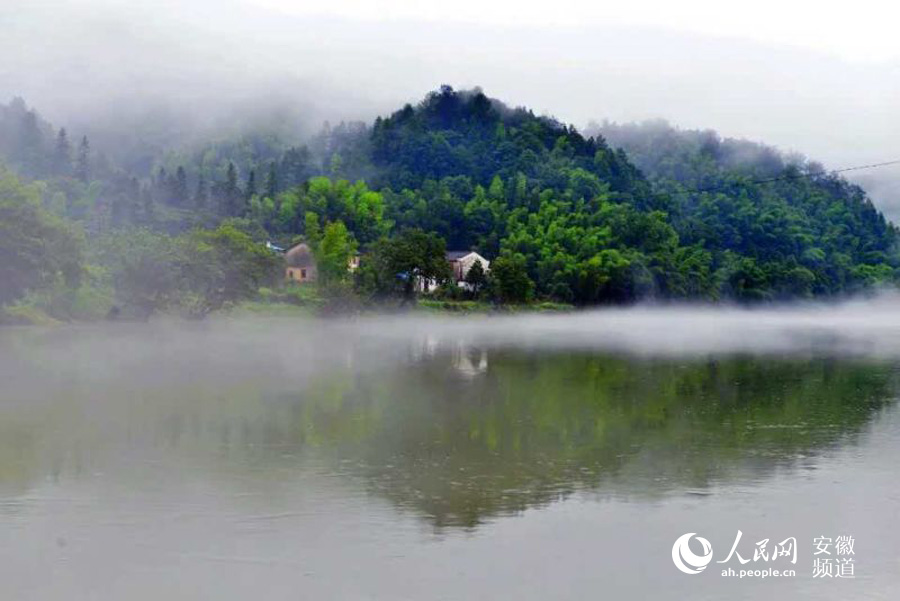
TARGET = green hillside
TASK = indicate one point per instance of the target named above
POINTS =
(619, 214)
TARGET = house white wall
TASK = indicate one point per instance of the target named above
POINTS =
(467, 261)
(462, 266)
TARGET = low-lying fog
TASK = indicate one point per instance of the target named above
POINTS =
(867, 327)
(435, 454)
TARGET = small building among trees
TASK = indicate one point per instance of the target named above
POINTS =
(462, 261)
(300, 264)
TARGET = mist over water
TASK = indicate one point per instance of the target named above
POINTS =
(395, 457)
(865, 327)
(231, 349)
(526, 456)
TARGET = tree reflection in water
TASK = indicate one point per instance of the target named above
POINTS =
(460, 434)
(454, 433)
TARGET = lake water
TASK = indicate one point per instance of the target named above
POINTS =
(538, 457)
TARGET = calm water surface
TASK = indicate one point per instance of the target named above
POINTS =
(520, 458)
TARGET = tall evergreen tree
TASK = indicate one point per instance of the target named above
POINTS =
(294, 167)
(250, 189)
(29, 146)
(476, 278)
(134, 198)
(83, 163)
(180, 190)
(201, 195)
(161, 189)
(231, 193)
(272, 181)
(148, 206)
(62, 154)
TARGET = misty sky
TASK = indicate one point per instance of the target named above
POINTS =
(811, 77)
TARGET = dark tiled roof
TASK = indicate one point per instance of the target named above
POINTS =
(299, 255)
(456, 255)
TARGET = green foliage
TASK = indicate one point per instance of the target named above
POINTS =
(37, 249)
(195, 273)
(361, 209)
(476, 278)
(300, 294)
(83, 161)
(333, 253)
(403, 264)
(465, 133)
(222, 266)
(311, 228)
(231, 194)
(773, 226)
(570, 218)
(91, 300)
(510, 279)
(25, 314)
(143, 269)
(454, 306)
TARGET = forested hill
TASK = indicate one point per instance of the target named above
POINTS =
(563, 215)
(467, 134)
(692, 157)
(782, 212)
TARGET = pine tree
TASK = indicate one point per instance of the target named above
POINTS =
(250, 190)
(29, 146)
(201, 196)
(335, 165)
(148, 206)
(476, 278)
(169, 186)
(62, 154)
(272, 181)
(161, 189)
(134, 200)
(231, 193)
(180, 191)
(83, 164)
(294, 167)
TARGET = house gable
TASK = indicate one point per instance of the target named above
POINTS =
(462, 261)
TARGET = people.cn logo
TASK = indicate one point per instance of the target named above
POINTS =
(685, 559)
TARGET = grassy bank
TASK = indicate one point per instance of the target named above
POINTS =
(428, 305)
(300, 300)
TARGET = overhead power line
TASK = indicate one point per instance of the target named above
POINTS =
(793, 176)
(869, 166)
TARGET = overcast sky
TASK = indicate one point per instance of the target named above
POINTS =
(861, 30)
(816, 77)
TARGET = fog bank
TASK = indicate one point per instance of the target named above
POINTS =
(227, 351)
(86, 63)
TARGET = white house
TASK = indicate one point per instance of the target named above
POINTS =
(461, 261)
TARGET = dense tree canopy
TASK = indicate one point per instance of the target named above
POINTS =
(37, 249)
(194, 273)
(400, 265)
(776, 226)
(618, 214)
(467, 134)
